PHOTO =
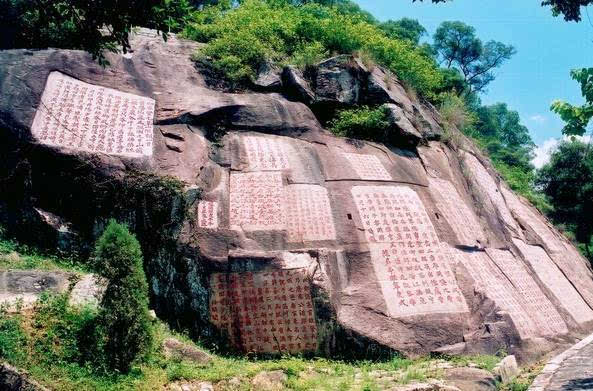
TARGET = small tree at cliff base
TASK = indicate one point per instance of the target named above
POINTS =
(124, 307)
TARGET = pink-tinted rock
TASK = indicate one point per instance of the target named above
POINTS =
(262, 230)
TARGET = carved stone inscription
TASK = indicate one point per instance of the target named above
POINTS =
(269, 311)
(394, 214)
(90, 118)
(265, 154)
(542, 311)
(487, 184)
(208, 214)
(368, 167)
(490, 280)
(555, 281)
(308, 214)
(410, 264)
(459, 216)
(256, 201)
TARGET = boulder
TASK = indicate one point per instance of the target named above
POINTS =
(507, 369)
(175, 348)
(269, 381)
(471, 379)
(295, 85)
(13, 379)
(269, 78)
(264, 233)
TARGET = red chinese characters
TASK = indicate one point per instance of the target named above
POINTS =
(368, 167)
(268, 311)
(208, 214)
(256, 201)
(411, 266)
(90, 118)
(308, 214)
(265, 154)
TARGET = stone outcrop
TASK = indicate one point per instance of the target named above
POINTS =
(262, 229)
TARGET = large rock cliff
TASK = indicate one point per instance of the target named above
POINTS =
(262, 229)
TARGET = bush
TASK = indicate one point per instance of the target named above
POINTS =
(124, 307)
(13, 340)
(240, 40)
(362, 123)
(66, 335)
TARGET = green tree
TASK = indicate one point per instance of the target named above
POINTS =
(93, 26)
(457, 45)
(405, 28)
(567, 180)
(124, 306)
(577, 117)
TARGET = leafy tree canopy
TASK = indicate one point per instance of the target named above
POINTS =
(577, 117)
(406, 28)
(567, 180)
(457, 45)
(91, 25)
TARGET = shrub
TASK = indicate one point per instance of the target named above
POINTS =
(13, 340)
(362, 123)
(66, 335)
(455, 112)
(239, 40)
(124, 307)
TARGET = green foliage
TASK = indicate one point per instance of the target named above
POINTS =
(241, 39)
(457, 45)
(78, 24)
(13, 339)
(577, 117)
(124, 307)
(567, 180)
(362, 123)
(66, 335)
(404, 29)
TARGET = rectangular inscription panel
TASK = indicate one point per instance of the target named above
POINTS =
(308, 214)
(208, 214)
(459, 216)
(409, 262)
(542, 311)
(555, 281)
(394, 214)
(256, 201)
(487, 184)
(265, 154)
(269, 311)
(416, 280)
(368, 167)
(87, 117)
(490, 280)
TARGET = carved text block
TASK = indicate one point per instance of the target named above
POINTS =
(542, 311)
(368, 167)
(268, 311)
(87, 117)
(208, 214)
(256, 201)
(265, 154)
(308, 214)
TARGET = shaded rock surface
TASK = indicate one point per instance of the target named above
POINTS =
(262, 230)
(13, 379)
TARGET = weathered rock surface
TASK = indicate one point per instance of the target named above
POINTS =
(262, 229)
(177, 349)
(13, 379)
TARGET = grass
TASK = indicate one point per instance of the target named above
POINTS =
(14, 255)
(44, 342)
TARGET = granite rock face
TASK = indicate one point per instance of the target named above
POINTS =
(262, 230)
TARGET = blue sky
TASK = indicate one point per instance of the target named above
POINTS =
(547, 49)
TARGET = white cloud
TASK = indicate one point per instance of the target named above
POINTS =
(540, 119)
(543, 151)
